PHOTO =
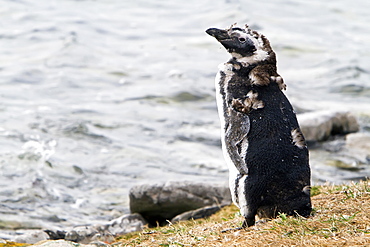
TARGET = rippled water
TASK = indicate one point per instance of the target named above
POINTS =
(98, 96)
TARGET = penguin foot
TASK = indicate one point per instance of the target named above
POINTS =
(248, 222)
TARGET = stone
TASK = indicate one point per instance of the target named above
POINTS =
(64, 243)
(197, 214)
(351, 155)
(126, 224)
(32, 237)
(100, 233)
(55, 243)
(161, 202)
(54, 235)
(358, 145)
(320, 125)
(346, 164)
(88, 234)
(359, 141)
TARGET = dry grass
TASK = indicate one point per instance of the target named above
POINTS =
(341, 217)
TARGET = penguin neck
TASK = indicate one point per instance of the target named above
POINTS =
(239, 68)
(243, 69)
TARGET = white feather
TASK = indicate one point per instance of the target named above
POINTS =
(259, 55)
(242, 196)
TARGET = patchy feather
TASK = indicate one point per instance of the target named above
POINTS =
(298, 138)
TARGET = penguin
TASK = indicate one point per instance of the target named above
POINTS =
(264, 148)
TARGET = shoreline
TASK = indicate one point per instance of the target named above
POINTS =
(341, 216)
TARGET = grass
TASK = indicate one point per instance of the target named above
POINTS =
(341, 217)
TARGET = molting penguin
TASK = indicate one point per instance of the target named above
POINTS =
(262, 143)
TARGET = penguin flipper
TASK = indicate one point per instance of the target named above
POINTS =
(236, 139)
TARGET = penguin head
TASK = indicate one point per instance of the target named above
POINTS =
(243, 43)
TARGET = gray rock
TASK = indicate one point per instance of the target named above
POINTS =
(55, 243)
(161, 202)
(197, 213)
(351, 157)
(359, 141)
(64, 243)
(318, 126)
(54, 235)
(344, 163)
(358, 144)
(32, 237)
(88, 234)
(125, 224)
(100, 233)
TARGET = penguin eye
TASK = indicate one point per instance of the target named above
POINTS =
(241, 39)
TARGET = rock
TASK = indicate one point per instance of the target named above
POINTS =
(55, 243)
(54, 235)
(106, 232)
(161, 202)
(359, 141)
(197, 213)
(125, 224)
(318, 126)
(88, 234)
(32, 237)
(358, 144)
(345, 165)
(350, 155)
(64, 243)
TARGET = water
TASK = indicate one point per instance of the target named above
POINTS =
(98, 96)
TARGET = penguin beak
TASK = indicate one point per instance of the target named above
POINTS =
(224, 38)
(232, 44)
(219, 34)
